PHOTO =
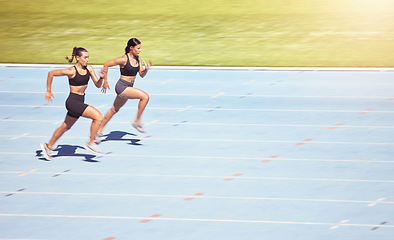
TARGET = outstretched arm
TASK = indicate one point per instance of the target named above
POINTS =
(117, 61)
(51, 74)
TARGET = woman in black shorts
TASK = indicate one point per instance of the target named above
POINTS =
(130, 65)
(78, 77)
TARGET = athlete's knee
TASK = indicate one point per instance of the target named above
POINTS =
(65, 127)
(98, 117)
(145, 97)
(114, 109)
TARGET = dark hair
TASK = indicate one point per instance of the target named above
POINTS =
(77, 52)
(132, 43)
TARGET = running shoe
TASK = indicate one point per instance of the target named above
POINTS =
(92, 147)
(46, 151)
(138, 126)
(98, 137)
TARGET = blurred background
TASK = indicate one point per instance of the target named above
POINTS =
(344, 33)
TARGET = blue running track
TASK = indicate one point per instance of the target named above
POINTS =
(228, 155)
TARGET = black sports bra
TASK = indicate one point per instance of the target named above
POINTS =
(79, 80)
(129, 70)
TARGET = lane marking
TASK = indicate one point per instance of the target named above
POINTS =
(235, 175)
(382, 223)
(151, 122)
(204, 124)
(367, 111)
(24, 174)
(58, 174)
(339, 224)
(197, 195)
(251, 81)
(304, 141)
(207, 109)
(218, 95)
(193, 219)
(206, 176)
(274, 156)
(181, 123)
(184, 109)
(225, 158)
(12, 193)
(226, 95)
(154, 216)
(337, 125)
(20, 136)
(192, 198)
(380, 200)
(224, 140)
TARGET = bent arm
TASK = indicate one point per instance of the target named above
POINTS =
(143, 71)
(51, 74)
(97, 82)
(121, 61)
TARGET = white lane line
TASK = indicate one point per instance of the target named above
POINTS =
(207, 124)
(191, 219)
(220, 94)
(131, 156)
(217, 95)
(380, 200)
(20, 136)
(219, 140)
(195, 196)
(218, 109)
(202, 176)
(339, 224)
(151, 122)
(185, 108)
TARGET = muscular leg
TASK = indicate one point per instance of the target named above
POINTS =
(118, 103)
(95, 115)
(66, 125)
(135, 93)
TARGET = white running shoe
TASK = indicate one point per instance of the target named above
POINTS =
(92, 147)
(138, 126)
(46, 151)
(98, 137)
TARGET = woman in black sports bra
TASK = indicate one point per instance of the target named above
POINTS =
(130, 64)
(78, 77)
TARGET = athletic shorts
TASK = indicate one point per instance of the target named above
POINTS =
(121, 85)
(75, 105)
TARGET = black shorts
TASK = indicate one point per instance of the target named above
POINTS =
(75, 105)
(121, 85)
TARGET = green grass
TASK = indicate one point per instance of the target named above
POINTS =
(348, 33)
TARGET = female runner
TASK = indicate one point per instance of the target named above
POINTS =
(78, 77)
(130, 65)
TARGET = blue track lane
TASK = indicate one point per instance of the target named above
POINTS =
(228, 155)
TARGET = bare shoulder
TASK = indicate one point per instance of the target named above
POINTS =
(69, 71)
(123, 59)
(89, 67)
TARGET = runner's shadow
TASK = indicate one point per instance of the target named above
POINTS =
(68, 151)
(118, 136)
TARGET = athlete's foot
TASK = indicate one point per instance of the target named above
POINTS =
(92, 146)
(138, 126)
(46, 151)
(98, 137)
